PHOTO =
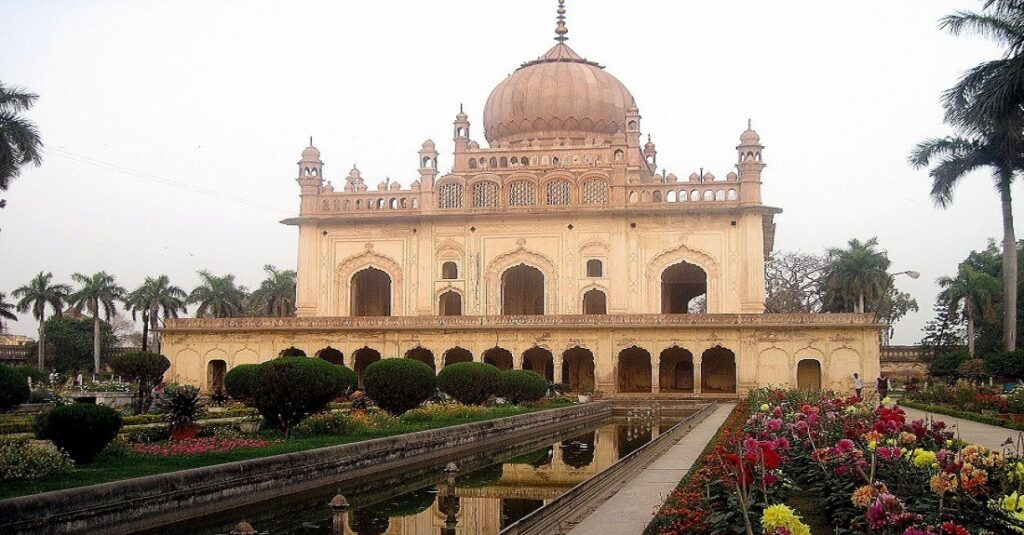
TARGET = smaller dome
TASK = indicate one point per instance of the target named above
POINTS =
(311, 153)
(749, 137)
(395, 186)
(328, 188)
(428, 144)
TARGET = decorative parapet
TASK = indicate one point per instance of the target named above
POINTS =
(668, 321)
(905, 353)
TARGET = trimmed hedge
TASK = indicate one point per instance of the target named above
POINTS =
(13, 387)
(471, 383)
(288, 389)
(240, 382)
(81, 429)
(519, 386)
(973, 416)
(397, 385)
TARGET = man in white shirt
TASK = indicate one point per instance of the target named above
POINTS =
(858, 384)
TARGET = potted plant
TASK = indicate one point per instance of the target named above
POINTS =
(182, 403)
(251, 424)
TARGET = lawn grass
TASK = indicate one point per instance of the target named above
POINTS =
(115, 466)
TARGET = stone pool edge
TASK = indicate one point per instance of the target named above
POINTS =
(132, 504)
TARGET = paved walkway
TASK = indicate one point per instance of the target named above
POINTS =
(630, 510)
(990, 436)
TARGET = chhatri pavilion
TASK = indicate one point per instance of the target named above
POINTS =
(556, 247)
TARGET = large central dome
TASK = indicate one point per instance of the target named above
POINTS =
(558, 95)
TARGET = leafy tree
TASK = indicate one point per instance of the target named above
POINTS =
(97, 291)
(946, 364)
(5, 311)
(39, 293)
(1005, 364)
(793, 282)
(70, 339)
(13, 387)
(218, 297)
(945, 331)
(19, 138)
(276, 295)
(855, 277)
(145, 369)
(975, 291)
(154, 297)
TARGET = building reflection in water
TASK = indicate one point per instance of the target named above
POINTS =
(485, 501)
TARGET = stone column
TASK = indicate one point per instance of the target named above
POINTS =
(696, 376)
(556, 361)
(656, 374)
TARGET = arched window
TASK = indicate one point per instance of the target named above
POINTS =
(558, 192)
(449, 270)
(498, 357)
(595, 192)
(718, 371)
(449, 195)
(657, 196)
(522, 291)
(632, 197)
(331, 355)
(503, 162)
(485, 195)
(370, 293)
(720, 195)
(731, 195)
(449, 304)
(493, 163)
(522, 193)
(595, 302)
(541, 361)
(681, 286)
(421, 354)
(595, 268)
(472, 163)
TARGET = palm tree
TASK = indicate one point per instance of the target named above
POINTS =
(98, 291)
(155, 295)
(19, 138)
(976, 291)
(217, 296)
(35, 296)
(857, 274)
(955, 158)
(276, 294)
(990, 95)
(5, 311)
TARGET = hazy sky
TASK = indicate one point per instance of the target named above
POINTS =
(172, 128)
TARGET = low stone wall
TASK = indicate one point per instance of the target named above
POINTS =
(134, 504)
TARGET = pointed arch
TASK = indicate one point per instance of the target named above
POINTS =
(683, 253)
(355, 263)
(521, 255)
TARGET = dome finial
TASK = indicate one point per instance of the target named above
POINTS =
(561, 30)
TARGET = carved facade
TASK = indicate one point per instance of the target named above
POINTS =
(561, 237)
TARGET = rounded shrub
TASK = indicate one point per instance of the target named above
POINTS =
(240, 382)
(143, 368)
(347, 379)
(471, 383)
(31, 372)
(518, 386)
(82, 430)
(13, 387)
(288, 389)
(397, 385)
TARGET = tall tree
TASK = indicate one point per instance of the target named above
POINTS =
(276, 294)
(793, 282)
(956, 157)
(976, 292)
(95, 292)
(155, 298)
(19, 138)
(39, 293)
(218, 297)
(5, 311)
(855, 276)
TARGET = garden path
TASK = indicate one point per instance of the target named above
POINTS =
(990, 436)
(630, 510)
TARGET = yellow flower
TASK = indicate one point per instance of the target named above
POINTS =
(872, 445)
(781, 516)
(924, 458)
(887, 401)
(764, 407)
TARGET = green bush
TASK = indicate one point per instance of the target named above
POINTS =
(945, 365)
(20, 459)
(143, 368)
(347, 379)
(13, 387)
(518, 386)
(81, 429)
(27, 371)
(471, 383)
(288, 389)
(240, 382)
(397, 385)
(1005, 364)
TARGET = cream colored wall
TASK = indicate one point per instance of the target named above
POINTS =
(765, 356)
(729, 247)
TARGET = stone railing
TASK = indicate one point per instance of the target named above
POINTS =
(904, 353)
(518, 322)
(684, 193)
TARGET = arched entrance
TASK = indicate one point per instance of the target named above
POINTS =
(362, 358)
(215, 372)
(595, 302)
(578, 369)
(808, 375)
(718, 371)
(634, 370)
(292, 352)
(522, 291)
(541, 361)
(331, 355)
(457, 354)
(681, 285)
(370, 293)
(423, 355)
(498, 357)
(676, 370)
(449, 304)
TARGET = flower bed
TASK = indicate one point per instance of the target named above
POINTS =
(868, 469)
(1009, 421)
(196, 446)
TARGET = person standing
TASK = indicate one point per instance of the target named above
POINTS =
(858, 384)
(883, 387)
